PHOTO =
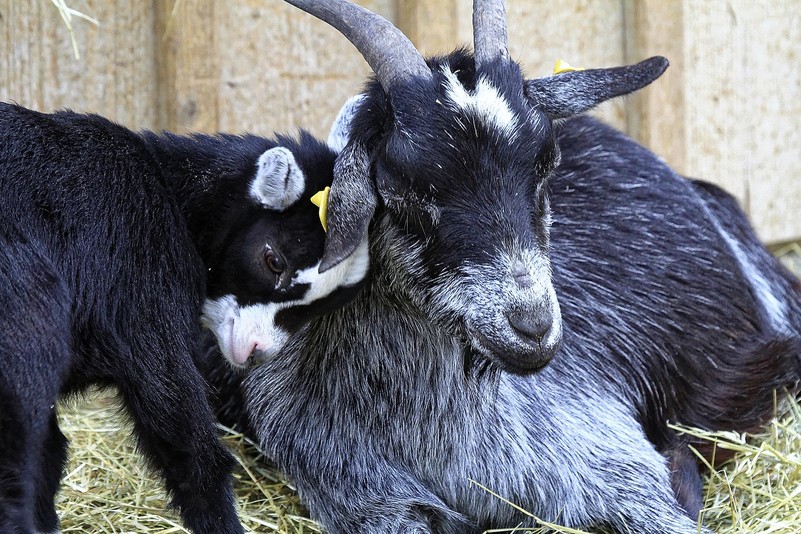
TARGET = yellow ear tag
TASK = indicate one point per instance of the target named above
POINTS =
(320, 199)
(563, 66)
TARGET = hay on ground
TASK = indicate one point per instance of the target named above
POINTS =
(109, 489)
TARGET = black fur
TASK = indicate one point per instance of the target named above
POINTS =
(109, 243)
(654, 271)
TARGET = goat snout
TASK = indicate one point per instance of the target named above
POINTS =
(520, 340)
(531, 326)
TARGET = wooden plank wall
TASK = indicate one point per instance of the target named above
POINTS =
(116, 75)
(731, 111)
(728, 110)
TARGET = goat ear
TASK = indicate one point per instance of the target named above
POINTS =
(351, 204)
(339, 135)
(570, 93)
(279, 180)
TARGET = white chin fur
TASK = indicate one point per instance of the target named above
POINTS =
(242, 330)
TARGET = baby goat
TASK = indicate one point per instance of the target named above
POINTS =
(666, 306)
(110, 241)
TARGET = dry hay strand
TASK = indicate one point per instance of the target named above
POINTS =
(760, 490)
(67, 13)
(108, 488)
(790, 255)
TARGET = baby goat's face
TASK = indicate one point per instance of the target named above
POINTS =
(265, 284)
(463, 182)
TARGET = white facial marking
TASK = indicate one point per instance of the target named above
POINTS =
(240, 330)
(485, 103)
(350, 271)
(279, 180)
(340, 130)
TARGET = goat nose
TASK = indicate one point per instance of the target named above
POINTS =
(531, 325)
(522, 276)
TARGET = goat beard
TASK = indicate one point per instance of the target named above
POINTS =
(477, 366)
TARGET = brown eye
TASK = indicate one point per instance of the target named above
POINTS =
(274, 261)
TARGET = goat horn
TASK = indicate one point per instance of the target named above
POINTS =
(390, 54)
(490, 41)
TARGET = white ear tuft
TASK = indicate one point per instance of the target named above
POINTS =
(340, 130)
(279, 180)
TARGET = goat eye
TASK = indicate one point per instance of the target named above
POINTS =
(274, 262)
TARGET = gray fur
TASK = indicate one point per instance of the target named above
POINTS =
(279, 180)
(570, 93)
(350, 205)
(340, 130)
(378, 395)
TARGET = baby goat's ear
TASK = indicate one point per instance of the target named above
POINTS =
(339, 135)
(279, 180)
(570, 93)
(351, 204)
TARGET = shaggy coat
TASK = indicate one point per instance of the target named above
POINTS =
(397, 414)
(110, 243)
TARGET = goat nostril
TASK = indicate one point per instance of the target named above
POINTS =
(523, 280)
(522, 276)
(531, 325)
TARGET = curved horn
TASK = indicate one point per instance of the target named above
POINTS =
(489, 32)
(386, 49)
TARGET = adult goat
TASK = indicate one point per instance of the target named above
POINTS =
(667, 307)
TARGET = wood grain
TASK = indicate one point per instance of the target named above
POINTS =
(728, 110)
(114, 77)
